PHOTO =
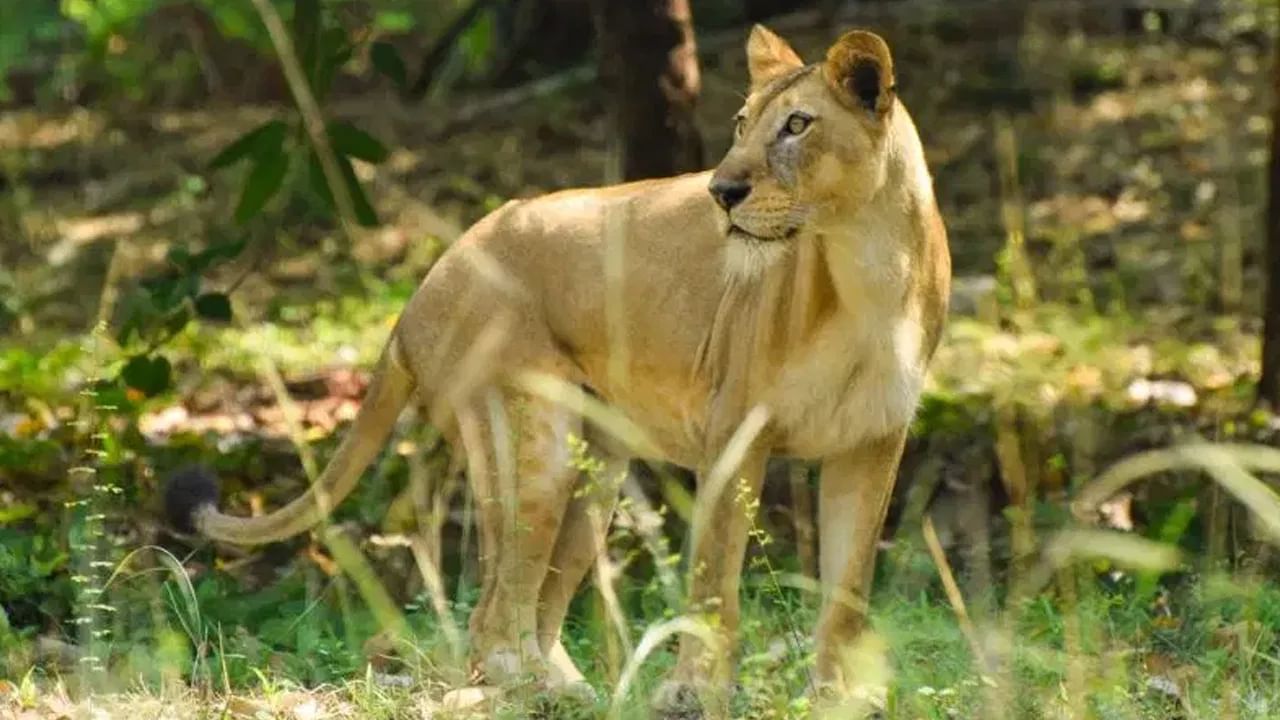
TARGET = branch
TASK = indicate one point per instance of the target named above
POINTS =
(435, 57)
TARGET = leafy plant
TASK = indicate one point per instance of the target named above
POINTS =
(162, 306)
(323, 47)
(34, 584)
(387, 61)
(159, 308)
(25, 24)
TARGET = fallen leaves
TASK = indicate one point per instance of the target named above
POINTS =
(1090, 215)
(324, 401)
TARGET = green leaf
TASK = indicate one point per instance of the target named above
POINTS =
(351, 141)
(263, 183)
(365, 214)
(477, 43)
(112, 395)
(267, 138)
(148, 375)
(386, 60)
(319, 185)
(138, 310)
(179, 256)
(214, 306)
(334, 52)
(177, 320)
(216, 253)
(10, 514)
(306, 35)
(163, 290)
(394, 21)
(168, 291)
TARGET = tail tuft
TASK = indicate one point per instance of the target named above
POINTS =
(188, 491)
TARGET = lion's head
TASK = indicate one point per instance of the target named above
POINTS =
(811, 141)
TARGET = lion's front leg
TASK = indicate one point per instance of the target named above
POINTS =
(853, 499)
(722, 523)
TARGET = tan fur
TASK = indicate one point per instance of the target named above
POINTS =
(768, 56)
(814, 304)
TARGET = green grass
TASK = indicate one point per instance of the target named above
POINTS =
(277, 628)
(1071, 353)
(1213, 637)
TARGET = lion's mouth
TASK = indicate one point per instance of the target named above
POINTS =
(740, 233)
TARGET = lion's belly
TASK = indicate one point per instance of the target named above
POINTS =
(846, 391)
(675, 429)
(843, 388)
(670, 413)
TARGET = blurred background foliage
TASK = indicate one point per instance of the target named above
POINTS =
(178, 284)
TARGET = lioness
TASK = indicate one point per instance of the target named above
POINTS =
(786, 303)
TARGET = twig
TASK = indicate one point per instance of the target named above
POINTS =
(802, 517)
(651, 534)
(312, 118)
(605, 572)
(953, 592)
(1016, 476)
(494, 105)
(269, 373)
(435, 590)
(111, 285)
(250, 266)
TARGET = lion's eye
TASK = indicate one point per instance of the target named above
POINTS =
(797, 123)
(738, 123)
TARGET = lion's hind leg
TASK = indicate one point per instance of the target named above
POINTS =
(601, 471)
(518, 458)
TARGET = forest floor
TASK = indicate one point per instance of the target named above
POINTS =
(1137, 166)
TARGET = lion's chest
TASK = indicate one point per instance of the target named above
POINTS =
(853, 382)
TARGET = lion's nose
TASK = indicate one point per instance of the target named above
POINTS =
(729, 193)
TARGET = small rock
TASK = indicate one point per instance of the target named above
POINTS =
(468, 697)
(1162, 392)
(390, 680)
(1163, 686)
(974, 296)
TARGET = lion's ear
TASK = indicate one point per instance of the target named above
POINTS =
(860, 69)
(769, 56)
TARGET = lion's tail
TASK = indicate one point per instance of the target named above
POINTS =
(192, 495)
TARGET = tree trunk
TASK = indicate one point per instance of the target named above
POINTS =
(539, 37)
(1269, 386)
(649, 64)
